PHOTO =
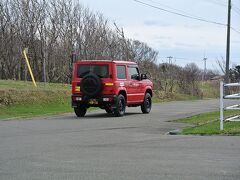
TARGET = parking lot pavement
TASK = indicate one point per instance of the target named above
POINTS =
(100, 146)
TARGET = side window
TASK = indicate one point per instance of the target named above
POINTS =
(133, 72)
(121, 72)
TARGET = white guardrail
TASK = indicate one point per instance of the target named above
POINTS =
(233, 107)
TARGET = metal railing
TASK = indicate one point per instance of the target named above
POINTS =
(233, 107)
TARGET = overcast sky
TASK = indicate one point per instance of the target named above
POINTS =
(186, 40)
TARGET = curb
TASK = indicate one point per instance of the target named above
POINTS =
(175, 132)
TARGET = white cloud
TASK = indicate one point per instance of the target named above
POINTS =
(178, 36)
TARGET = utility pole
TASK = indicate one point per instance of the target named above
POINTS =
(44, 66)
(169, 59)
(228, 42)
(205, 68)
(44, 57)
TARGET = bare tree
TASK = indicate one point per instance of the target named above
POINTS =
(53, 29)
(221, 64)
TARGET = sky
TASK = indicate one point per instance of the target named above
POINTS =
(186, 40)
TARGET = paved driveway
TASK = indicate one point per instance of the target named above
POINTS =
(102, 147)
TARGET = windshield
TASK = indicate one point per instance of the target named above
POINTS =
(100, 70)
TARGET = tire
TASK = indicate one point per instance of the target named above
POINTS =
(147, 104)
(108, 110)
(91, 85)
(80, 111)
(120, 106)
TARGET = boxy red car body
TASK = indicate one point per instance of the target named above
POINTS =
(99, 83)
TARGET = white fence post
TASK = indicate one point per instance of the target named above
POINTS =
(221, 105)
(233, 107)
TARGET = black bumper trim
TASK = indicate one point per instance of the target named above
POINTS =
(85, 100)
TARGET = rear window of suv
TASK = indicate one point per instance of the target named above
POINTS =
(100, 70)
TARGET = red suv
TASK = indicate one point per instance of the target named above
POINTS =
(110, 85)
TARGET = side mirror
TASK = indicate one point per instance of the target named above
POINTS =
(135, 76)
(143, 76)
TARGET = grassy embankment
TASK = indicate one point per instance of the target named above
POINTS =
(22, 99)
(208, 89)
(208, 124)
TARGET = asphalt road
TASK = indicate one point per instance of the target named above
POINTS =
(101, 147)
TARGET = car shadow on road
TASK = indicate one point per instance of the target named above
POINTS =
(105, 115)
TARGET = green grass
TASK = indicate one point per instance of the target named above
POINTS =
(22, 99)
(23, 111)
(208, 124)
(28, 85)
(230, 128)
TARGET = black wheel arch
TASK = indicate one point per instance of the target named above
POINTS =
(149, 91)
(123, 92)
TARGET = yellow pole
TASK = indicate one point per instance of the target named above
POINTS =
(29, 67)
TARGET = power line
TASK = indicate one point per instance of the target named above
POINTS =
(173, 11)
(181, 14)
(218, 3)
(237, 31)
(237, 12)
(235, 9)
(211, 58)
(181, 11)
(182, 58)
(224, 4)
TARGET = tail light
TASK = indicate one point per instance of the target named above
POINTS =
(109, 84)
(77, 89)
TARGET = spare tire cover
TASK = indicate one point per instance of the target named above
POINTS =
(91, 85)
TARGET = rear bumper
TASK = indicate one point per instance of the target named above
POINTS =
(102, 101)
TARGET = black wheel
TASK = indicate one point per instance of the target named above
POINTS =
(108, 110)
(80, 111)
(120, 106)
(91, 85)
(147, 104)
